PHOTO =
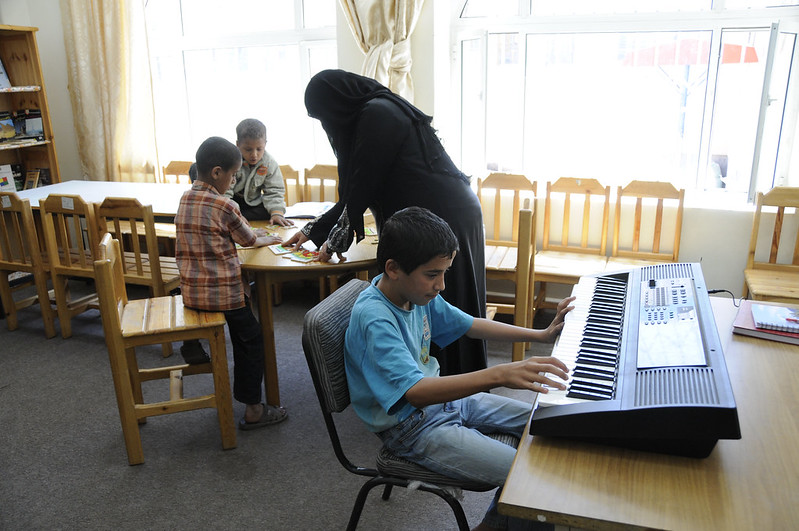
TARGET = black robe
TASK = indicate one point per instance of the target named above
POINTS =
(389, 160)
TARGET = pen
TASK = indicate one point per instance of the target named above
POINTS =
(792, 319)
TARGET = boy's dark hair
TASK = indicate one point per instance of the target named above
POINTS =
(250, 128)
(216, 151)
(413, 236)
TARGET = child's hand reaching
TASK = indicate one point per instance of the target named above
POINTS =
(278, 219)
(266, 238)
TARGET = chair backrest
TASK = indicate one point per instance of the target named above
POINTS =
(292, 184)
(630, 226)
(133, 224)
(19, 242)
(176, 169)
(319, 178)
(777, 248)
(70, 233)
(323, 342)
(501, 196)
(581, 229)
(110, 281)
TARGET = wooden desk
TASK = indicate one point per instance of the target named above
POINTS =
(269, 269)
(165, 198)
(752, 483)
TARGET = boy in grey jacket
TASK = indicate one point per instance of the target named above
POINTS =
(258, 186)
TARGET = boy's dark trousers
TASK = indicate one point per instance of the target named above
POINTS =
(248, 354)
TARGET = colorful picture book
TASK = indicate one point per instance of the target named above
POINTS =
(744, 324)
(4, 81)
(302, 255)
(279, 249)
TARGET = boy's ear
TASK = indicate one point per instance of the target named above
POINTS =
(392, 269)
(216, 172)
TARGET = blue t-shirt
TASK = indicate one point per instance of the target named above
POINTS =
(387, 351)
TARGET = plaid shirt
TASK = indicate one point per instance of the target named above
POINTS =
(208, 224)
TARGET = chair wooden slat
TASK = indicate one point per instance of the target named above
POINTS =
(772, 265)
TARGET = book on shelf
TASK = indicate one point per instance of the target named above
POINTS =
(5, 83)
(7, 129)
(744, 323)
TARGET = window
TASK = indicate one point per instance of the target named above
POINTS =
(216, 63)
(552, 89)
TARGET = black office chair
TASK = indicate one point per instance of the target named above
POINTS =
(323, 343)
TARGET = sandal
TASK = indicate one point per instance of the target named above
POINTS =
(271, 415)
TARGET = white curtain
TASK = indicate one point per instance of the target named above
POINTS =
(110, 88)
(383, 29)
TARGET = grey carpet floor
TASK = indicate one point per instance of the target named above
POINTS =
(63, 463)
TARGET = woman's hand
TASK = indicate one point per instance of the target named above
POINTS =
(296, 241)
(325, 255)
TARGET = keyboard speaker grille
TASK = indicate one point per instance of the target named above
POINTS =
(674, 386)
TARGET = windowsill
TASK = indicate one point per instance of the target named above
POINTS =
(717, 200)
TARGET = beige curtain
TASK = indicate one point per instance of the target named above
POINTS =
(110, 88)
(383, 29)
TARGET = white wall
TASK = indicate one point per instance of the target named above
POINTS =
(46, 15)
(717, 238)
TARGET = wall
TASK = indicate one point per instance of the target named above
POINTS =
(46, 15)
(717, 238)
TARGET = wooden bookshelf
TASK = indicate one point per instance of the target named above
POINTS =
(20, 55)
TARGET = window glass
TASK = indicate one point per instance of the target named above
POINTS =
(472, 106)
(230, 17)
(592, 7)
(505, 90)
(257, 67)
(493, 8)
(319, 13)
(615, 106)
(739, 84)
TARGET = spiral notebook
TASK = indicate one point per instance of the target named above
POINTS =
(772, 317)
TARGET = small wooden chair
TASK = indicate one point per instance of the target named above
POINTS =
(638, 231)
(70, 233)
(772, 265)
(20, 253)
(574, 244)
(134, 226)
(510, 244)
(177, 169)
(292, 184)
(317, 180)
(130, 324)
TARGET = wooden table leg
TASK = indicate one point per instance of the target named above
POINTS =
(263, 285)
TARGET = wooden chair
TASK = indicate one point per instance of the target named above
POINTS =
(509, 252)
(638, 231)
(134, 226)
(292, 184)
(317, 180)
(574, 244)
(772, 266)
(70, 234)
(177, 169)
(20, 253)
(130, 324)
(323, 344)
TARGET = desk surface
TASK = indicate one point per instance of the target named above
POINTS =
(164, 197)
(752, 483)
(361, 255)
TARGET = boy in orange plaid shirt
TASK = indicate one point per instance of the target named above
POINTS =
(208, 227)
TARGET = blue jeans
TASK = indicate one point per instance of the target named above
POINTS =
(449, 439)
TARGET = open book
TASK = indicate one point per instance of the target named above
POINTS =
(308, 209)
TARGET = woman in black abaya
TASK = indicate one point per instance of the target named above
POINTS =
(389, 158)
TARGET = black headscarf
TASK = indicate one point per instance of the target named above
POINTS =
(336, 98)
